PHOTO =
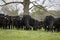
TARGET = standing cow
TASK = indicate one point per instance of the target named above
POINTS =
(57, 25)
(48, 23)
(2, 20)
(31, 22)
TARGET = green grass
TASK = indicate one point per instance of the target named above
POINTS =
(28, 35)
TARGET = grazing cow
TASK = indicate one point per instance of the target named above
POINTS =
(57, 25)
(30, 22)
(1, 20)
(9, 22)
(6, 22)
(41, 24)
(48, 23)
(25, 22)
(16, 22)
(35, 24)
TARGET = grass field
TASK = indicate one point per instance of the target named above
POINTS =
(28, 35)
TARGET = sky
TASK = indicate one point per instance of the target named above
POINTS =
(47, 3)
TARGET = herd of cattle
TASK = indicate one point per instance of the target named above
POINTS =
(28, 23)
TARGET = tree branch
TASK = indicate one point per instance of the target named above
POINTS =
(50, 1)
(31, 7)
(43, 2)
(40, 7)
(34, 2)
(52, 5)
(11, 3)
(4, 1)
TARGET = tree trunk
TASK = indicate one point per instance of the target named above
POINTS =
(26, 13)
(26, 7)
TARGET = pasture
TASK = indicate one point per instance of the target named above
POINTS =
(28, 35)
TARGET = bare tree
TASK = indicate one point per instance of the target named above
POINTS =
(26, 4)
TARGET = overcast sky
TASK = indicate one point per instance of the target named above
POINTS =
(47, 3)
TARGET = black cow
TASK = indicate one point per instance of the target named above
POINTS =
(57, 25)
(1, 20)
(25, 22)
(41, 24)
(6, 22)
(9, 22)
(48, 23)
(28, 21)
(36, 24)
(16, 22)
